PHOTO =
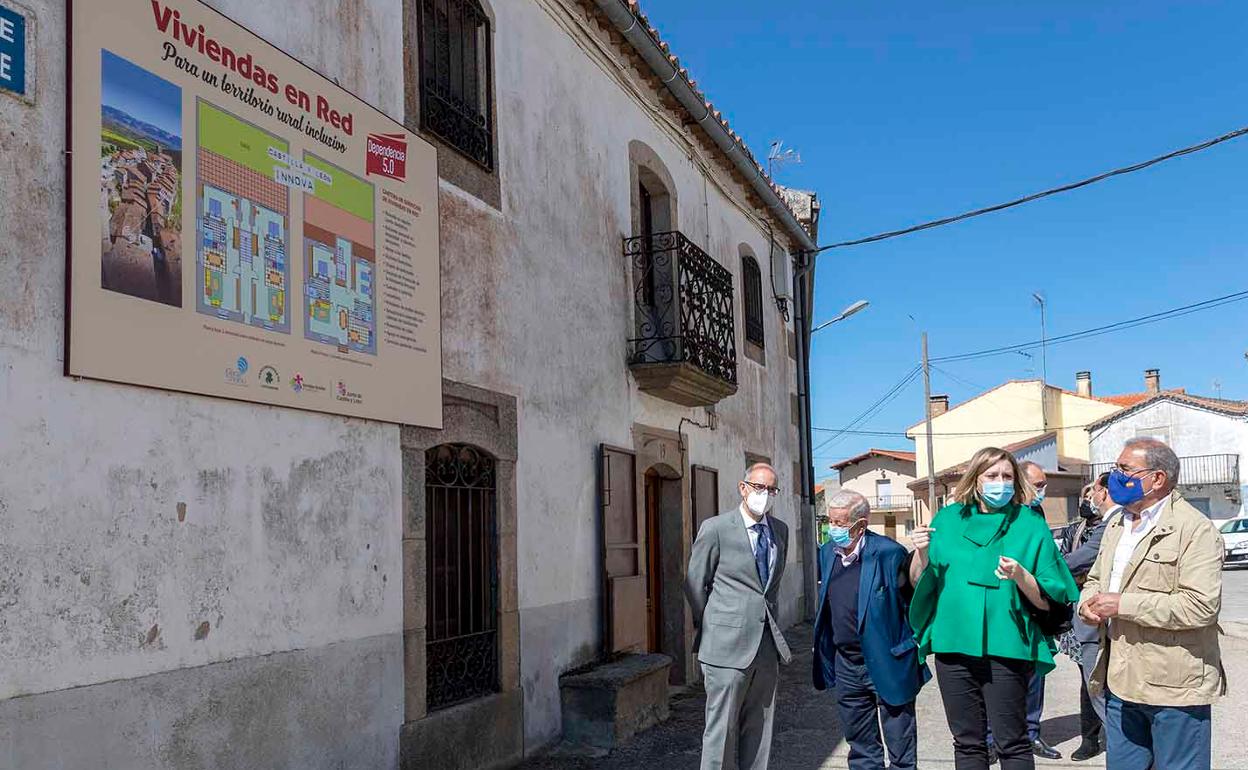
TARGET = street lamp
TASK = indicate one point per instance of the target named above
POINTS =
(858, 306)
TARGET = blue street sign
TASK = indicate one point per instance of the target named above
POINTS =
(12, 51)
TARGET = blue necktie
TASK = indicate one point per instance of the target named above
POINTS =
(762, 549)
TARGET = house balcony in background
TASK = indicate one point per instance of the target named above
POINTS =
(891, 503)
(684, 344)
(1196, 470)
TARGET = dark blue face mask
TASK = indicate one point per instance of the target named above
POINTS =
(1125, 489)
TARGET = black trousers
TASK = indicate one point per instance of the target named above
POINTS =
(863, 715)
(975, 690)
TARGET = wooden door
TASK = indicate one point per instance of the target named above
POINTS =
(624, 586)
(705, 491)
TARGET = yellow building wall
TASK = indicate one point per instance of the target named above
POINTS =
(1010, 413)
(1073, 413)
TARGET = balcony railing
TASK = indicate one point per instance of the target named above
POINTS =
(891, 502)
(1195, 470)
(684, 316)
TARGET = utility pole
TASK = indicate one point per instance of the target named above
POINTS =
(927, 410)
(1044, 363)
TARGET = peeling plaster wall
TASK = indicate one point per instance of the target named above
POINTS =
(151, 536)
(537, 302)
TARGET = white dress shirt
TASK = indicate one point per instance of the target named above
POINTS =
(1131, 538)
(850, 556)
(750, 521)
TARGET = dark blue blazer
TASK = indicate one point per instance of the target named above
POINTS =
(888, 643)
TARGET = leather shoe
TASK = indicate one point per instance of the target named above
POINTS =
(1044, 750)
(1086, 750)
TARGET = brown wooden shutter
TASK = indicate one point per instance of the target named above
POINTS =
(623, 541)
(705, 495)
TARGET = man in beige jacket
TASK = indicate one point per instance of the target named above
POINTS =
(1155, 591)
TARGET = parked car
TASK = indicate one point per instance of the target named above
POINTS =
(1235, 537)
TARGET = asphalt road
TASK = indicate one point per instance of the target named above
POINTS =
(808, 734)
(1235, 595)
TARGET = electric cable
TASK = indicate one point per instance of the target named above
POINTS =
(1037, 196)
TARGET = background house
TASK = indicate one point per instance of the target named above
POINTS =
(1210, 436)
(1032, 419)
(882, 476)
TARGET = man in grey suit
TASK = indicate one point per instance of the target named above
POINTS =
(735, 570)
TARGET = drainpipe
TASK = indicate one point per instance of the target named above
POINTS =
(801, 324)
(621, 16)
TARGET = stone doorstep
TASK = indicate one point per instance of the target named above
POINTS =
(605, 706)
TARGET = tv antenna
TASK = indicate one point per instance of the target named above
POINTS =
(777, 157)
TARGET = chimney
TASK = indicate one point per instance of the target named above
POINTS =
(1152, 381)
(1083, 384)
(938, 405)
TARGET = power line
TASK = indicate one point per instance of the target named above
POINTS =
(875, 408)
(1037, 196)
(1164, 315)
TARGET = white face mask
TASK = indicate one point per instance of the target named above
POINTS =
(759, 503)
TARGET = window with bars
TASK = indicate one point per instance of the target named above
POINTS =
(455, 70)
(752, 280)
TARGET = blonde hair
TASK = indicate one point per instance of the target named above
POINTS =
(966, 491)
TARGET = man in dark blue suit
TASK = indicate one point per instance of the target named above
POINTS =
(864, 647)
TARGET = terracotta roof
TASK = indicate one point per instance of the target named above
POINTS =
(1126, 400)
(818, 489)
(683, 73)
(896, 454)
(1219, 405)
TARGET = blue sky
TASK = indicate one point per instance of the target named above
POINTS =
(141, 94)
(905, 112)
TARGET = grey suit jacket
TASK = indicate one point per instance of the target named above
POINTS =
(732, 609)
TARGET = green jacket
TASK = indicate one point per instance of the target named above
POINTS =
(961, 607)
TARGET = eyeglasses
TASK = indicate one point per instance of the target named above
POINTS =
(1131, 471)
(773, 491)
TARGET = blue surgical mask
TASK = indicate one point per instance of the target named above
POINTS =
(1124, 489)
(997, 494)
(840, 536)
(1039, 498)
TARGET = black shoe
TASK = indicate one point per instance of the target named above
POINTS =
(1044, 750)
(1087, 750)
(992, 754)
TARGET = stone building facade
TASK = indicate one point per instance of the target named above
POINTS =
(188, 582)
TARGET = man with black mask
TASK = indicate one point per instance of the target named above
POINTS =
(1081, 541)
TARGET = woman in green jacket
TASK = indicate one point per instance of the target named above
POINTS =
(985, 573)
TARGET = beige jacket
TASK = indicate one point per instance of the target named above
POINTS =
(1162, 648)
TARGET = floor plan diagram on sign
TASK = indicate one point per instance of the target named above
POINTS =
(242, 222)
(340, 259)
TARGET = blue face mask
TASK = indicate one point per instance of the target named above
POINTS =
(1039, 498)
(1124, 489)
(840, 536)
(997, 494)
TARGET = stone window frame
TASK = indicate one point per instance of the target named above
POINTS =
(453, 166)
(487, 420)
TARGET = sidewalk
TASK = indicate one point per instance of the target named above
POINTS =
(808, 735)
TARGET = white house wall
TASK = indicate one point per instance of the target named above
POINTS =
(1192, 432)
(130, 518)
(555, 333)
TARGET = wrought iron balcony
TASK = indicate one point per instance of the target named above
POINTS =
(684, 344)
(1196, 470)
